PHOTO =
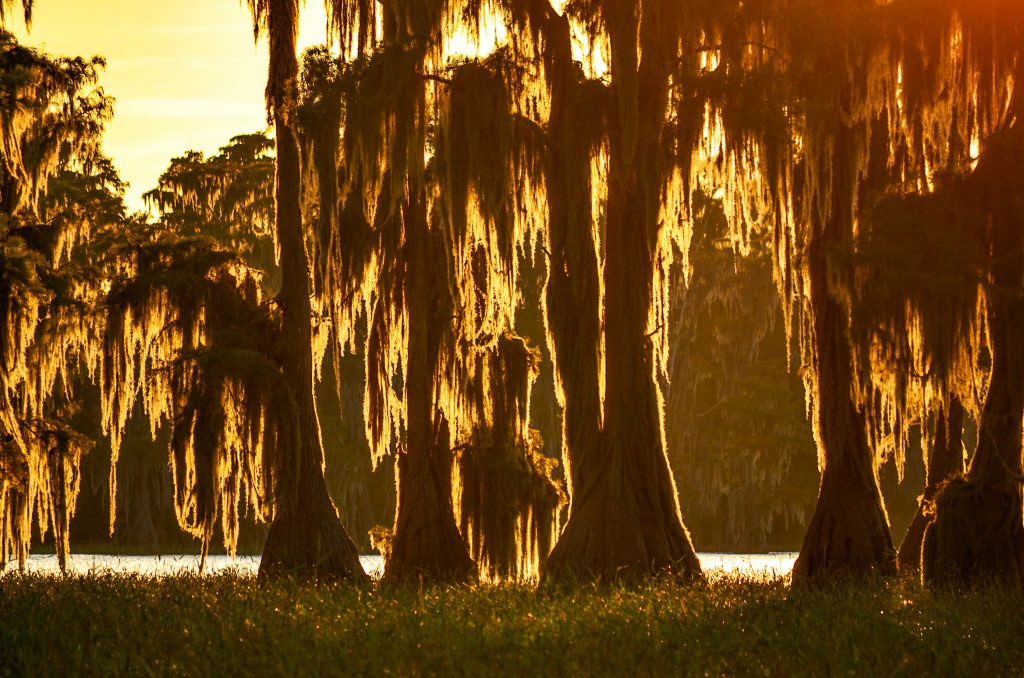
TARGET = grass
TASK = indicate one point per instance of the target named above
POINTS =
(230, 625)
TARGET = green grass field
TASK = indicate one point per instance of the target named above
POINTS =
(229, 625)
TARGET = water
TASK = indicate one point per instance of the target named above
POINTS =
(745, 564)
(160, 566)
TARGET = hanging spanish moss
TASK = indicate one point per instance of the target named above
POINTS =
(56, 450)
(7, 5)
(921, 311)
(892, 96)
(187, 330)
(506, 500)
(489, 168)
(363, 260)
(50, 121)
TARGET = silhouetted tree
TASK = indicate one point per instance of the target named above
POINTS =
(880, 97)
(977, 533)
(186, 329)
(425, 238)
(51, 120)
(228, 197)
(306, 536)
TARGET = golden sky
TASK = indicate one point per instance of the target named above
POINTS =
(186, 74)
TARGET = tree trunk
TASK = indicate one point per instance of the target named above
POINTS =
(426, 543)
(624, 520)
(572, 295)
(306, 537)
(849, 531)
(945, 460)
(978, 531)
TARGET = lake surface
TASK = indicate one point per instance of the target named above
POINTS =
(746, 564)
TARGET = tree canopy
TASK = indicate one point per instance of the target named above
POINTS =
(867, 153)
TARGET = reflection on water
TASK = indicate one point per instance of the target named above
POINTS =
(749, 564)
(745, 564)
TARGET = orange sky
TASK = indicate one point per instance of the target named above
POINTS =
(186, 74)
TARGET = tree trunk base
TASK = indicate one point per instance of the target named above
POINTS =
(311, 544)
(426, 544)
(429, 549)
(976, 536)
(909, 556)
(615, 534)
(848, 535)
(946, 460)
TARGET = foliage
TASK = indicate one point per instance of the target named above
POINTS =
(228, 197)
(55, 186)
(506, 499)
(188, 330)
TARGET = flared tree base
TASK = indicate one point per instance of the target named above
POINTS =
(909, 557)
(426, 545)
(429, 549)
(616, 533)
(945, 461)
(848, 535)
(310, 543)
(425, 556)
(977, 536)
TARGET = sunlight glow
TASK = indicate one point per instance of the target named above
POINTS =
(185, 75)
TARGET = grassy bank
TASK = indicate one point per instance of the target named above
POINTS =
(227, 625)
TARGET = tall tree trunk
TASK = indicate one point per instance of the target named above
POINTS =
(572, 296)
(306, 537)
(978, 530)
(849, 531)
(945, 461)
(624, 519)
(426, 542)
